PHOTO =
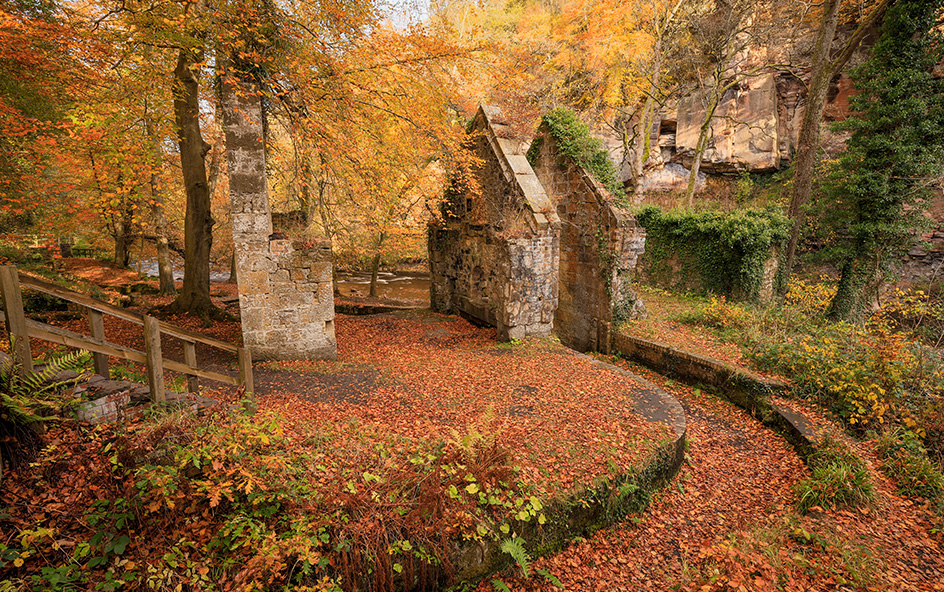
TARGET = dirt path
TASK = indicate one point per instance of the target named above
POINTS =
(738, 485)
(737, 473)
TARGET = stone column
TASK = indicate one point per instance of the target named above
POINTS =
(285, 293)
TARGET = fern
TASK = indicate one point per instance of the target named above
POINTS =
(27, 399)
(500, 586)
(515, 548)
(550, 578)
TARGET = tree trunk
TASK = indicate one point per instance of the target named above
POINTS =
(375, 267)
(849, 302)
(123, 240)
(165, 270)
(643, 152)
(700, 147)
(194, 297)
(232, 269)
(704, 135)
(804, 165)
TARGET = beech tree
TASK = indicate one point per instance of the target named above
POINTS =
(886, 175)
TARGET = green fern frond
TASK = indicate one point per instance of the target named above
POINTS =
(551, 578)
(27, 399)
(515, 548)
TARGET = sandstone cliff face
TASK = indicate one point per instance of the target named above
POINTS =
(744, 131)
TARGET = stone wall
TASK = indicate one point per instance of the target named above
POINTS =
(495, 257)
(683, 271)
(286, 300)
(600, 244)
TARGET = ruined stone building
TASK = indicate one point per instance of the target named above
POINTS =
(539, 248)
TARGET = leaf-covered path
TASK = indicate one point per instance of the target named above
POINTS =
(736, 471)
(727, 523)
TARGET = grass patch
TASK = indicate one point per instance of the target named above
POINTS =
(906, 460)
(800, 549)
(839, 479)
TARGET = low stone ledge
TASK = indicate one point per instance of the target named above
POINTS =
(743, 388)
(355, 309)
(585, 510)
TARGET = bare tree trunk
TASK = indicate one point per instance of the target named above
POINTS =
(165, 271)
(804, 164)
(645, 150)
(194, 296)
(233, 277)
(375, 266)
(123, 239)
(704, 136)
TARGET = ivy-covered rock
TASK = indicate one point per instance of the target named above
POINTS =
(725, 253)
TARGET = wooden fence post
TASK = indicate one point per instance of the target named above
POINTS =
(97, 329)
(245, 370)
(190, 359)
(155, 364)
(16, 318)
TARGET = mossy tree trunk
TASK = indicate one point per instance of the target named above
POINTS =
(823, 71)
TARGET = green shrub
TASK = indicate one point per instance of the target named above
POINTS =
(839, 478)
(721, 253)
(906, 460)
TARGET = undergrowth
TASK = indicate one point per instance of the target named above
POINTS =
(839, 479)
(870, 375)
(229, 501)
(905, 459)
(800, 550)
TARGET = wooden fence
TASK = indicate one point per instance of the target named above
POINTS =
(22, 328)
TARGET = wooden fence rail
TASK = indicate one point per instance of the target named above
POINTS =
(22, 328)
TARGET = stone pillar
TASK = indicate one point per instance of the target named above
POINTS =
(286, 300)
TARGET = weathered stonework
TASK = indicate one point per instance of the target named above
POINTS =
(600, 244)
(496, 258)
(286, 301)
(537, 249)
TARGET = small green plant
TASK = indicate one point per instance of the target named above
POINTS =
(31, 398)
(743, 187)
(127, 372)
(515, 548)
(906, 460)
(839, 478)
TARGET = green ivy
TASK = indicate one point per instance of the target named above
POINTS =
(574, 139)
(720, 252)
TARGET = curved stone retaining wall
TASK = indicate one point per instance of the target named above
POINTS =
(745, 389)
(587, 509)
